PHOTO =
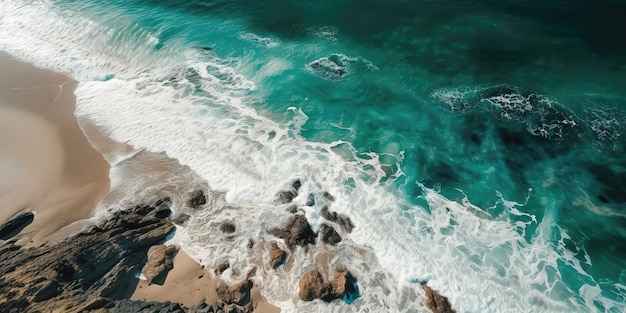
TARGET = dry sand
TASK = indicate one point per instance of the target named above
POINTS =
(46, 163)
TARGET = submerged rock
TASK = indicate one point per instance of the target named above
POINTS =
(296, 231)
(15, 225)
(228, 228)
(436, 302)
(286, 196)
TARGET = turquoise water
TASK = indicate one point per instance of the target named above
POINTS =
(515, 107)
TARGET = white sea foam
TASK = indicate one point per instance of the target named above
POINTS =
(195, 108)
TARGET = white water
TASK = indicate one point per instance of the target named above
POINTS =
(152, 100)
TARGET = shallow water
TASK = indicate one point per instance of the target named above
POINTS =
(478, 147)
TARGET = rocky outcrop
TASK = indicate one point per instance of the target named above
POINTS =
(228, 228)
(329, 235)
(99, 262)
(436, 302)
(313, 286)
(160, 262)
(286, 196)
(276, 255)
(15, 224)
(342, 220)
(197, 199)
(238, 293)
(296, 231)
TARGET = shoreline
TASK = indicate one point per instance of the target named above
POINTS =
(53, 171)
(56, 173)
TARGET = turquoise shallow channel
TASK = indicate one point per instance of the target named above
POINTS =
(487, 102)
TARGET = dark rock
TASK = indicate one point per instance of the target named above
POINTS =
(343, 221)
(329, 235)
(15, 225)
(221, 267)
(250, 243)
(328, 196)
(98, 262)
(228, 228)
(47, 290)
(436, 302)
(287, 196)
(296, 231)
(197, 199)
(346, 224)
(163, 203)
(276, 255)
(328, 215)
(238, 293)
(292, 208)
(310, 200)
(160, 262)
(165, 213)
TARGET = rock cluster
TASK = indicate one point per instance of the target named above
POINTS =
(313, 286)
(436, 302)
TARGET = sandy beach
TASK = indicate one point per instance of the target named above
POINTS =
(50, 168)
(48, 165)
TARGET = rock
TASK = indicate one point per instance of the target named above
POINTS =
(296, 231)
(344, 286)
(329, 235)
(276, 255)
(343, 221)
(328, 196)
(238, 293)
(160, 262)
(15, 225)
(181, 219)
(436, 302)
(228, 228)
(221, 267)
(310, 200)
(292, 209)
(328, 215)
(197, 199)
(287, 196)
(97, 263)
(346, 224)
(312, 286)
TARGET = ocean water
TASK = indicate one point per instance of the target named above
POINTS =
(477, 146)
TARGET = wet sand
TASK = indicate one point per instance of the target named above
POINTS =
(47, 165)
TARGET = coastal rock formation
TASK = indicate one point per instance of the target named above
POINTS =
(329, 235)
(286, 196)
(197, 199)
(160, 262)
(238, 293)
(436, 302)
(296, 231)
(313, 286)
(277, 256)
(97, 262)
(15, 224)
(343, 221)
